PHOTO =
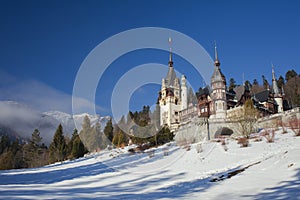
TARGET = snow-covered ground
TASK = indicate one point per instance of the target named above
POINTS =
(261, 171)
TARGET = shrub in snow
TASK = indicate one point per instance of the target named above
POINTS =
(280, 123)
(166, 151)
(269, 134)
(258, 139)
(187, 147)
(243, 142)
(199, 148)
(290, 165)
(284, 131)
(151, 153)
(295, 125)
(131, 151)
(225, 148)
(223, 143)
(217, 140)
(182, 142)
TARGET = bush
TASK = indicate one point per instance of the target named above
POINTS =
(295, 125)
(131, 151)
(166, 151)
(243, 142)
(223, 143)
(187, 147)
(199, 148)
(269, 134)
(258, 139)
(151, 153)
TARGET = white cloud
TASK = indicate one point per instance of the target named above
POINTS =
(38, 95)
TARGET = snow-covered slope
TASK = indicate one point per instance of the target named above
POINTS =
(261, 171)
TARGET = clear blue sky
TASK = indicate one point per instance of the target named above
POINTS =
(47, 41)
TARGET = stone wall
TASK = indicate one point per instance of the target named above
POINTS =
(279, 118)
(197, 128)
(193, 131)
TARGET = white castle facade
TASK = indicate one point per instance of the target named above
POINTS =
(172, 97)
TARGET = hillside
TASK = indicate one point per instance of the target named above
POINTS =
(261, 171)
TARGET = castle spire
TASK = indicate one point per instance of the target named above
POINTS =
(170, 59)
(273, 73)
(274, 83)
(217, 62)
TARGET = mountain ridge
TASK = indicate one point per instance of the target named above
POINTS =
(20, 120)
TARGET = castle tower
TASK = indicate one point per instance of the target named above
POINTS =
(170, 98)
(183, 93)
(277, 95)
(218, 86)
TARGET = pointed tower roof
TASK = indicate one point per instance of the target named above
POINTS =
(217, 62)
(274, 83)
(217, 74)
(171, 75)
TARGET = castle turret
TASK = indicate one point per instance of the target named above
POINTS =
(277, 95)
(218, 85)
(170, 101)
(183, 93)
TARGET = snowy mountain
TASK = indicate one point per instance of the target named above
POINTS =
(20, 120)
(68, 121)
(261, 171)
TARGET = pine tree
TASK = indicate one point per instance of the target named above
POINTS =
(100, 143)
(265, 82)
(85, 133)
(255, 82)
(4, 143)
(32, 150)
(280, 82)
(292, 91)
(35, 137)
(76, 148)
(119, 139)
(232, 84)
(12, 157)
(248, 84)
(58, 147)
(86, 124)
(164, 136)
(70, 143)
(290, 74)
(108, 130)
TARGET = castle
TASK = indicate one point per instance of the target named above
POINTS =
(172, 97)
(216, 104)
